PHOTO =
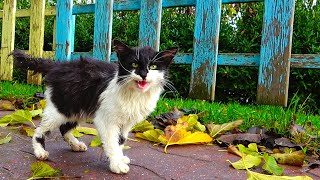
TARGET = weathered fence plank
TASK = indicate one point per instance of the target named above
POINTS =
(50, 11)
(206, 37)
(7, 40)
(150, 23)
(103, 29)
(275, 52)
(65, 30)
(132, 5)
(36, 39)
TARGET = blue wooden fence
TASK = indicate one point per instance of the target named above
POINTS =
(274, 60)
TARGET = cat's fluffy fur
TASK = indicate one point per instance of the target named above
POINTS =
(116, 96)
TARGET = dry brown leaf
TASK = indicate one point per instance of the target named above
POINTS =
(295, 158)
(6, 105)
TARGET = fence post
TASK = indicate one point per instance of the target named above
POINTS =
(206, 37)
(103, 29)
(36, 40)
(65, 30)
(7, 40)
(150, 23)
(275, 52)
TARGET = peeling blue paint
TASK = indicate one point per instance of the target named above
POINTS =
(65, 30)
(230, 59)
(206, 35)
(150, 23)
(132, 5)
(274, 69)
(103, 29)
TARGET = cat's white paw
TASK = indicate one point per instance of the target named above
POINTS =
(41, 154)
(79, 147)
(119, 168)
(125, 159)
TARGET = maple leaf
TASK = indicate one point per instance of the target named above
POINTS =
(150, 135)
(234, 150)
(257, 176)
(218, 129)
(271, 165)
(80, 131)
(96, 142)
(42, 170)
(252, 149)
(87, 130)
(179, 135)
(17, 117)
(6, 139)
(193, 123)
(295, 158)
(27, 131)
(142, 126)
(37, 112)
(247, 161)
(6, 105)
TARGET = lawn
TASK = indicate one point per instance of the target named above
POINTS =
(270, 117)
(10, 89)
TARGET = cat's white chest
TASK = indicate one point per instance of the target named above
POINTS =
(127, 106)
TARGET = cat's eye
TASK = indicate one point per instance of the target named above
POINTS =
(135, 65)
(152, 67)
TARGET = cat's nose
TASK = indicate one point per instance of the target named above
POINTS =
(143, 74)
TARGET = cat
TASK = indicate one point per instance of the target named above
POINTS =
(116, 96)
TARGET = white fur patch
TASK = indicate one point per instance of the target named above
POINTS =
(121, 108)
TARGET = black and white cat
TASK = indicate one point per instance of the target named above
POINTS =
(116, 96)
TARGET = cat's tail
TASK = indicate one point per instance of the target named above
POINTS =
(26, 62)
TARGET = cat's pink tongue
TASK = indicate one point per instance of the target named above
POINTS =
(142, 84)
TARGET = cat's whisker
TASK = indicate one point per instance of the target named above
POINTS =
(155, 60)
(124, 80)
(124, 67)
(154, 57)
(169, 85)
(137, 55)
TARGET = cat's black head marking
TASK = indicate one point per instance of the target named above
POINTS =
(142, 60)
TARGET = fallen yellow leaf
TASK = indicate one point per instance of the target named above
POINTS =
(150, 135)
(295, 158)
(247, 161)
(257, 176)
(179, 135)
(218, 129)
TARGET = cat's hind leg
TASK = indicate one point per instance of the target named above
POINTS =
(74, 143)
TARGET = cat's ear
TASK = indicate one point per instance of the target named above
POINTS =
(121, 48)
(167, 55)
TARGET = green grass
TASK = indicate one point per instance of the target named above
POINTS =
(274, 118)
(10, 89)
(270, 117)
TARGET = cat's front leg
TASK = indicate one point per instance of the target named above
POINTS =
(109, 135)
(125, 129)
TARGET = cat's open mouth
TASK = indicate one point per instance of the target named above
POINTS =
(142, 84)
